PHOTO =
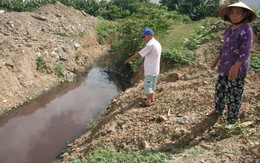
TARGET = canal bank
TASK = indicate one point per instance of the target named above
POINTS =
(43, 49)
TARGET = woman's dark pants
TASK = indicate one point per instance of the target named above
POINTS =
(229, 92)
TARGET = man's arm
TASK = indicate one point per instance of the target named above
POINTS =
(137, 55)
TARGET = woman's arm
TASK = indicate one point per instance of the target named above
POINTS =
(215, 62)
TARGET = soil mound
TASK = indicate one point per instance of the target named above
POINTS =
(63, 37)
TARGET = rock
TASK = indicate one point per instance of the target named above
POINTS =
(205, 146)
(182, 120)
(175, 76)
(146, 145)
(76, 45)
(161, 118)
(40, 17)
(257, 96)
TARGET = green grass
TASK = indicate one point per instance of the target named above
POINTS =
(111, 155)
(174, 51)
(176, 37)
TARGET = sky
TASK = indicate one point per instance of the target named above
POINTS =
(155, 1)
(254, 4)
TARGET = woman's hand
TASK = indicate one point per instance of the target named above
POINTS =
(213, 66)
(215, 62)
(233, 73)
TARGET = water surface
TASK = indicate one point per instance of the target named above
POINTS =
(39, 131)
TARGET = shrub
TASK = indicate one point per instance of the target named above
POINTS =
(40, 63)
(201, 35)
(105, 31)
(77, 55)
(27, 5)
(178, 57)
(59, 69)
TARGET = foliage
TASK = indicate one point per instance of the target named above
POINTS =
(19, 6)
(114, 12)
(129, 41)
(254, 64)
(178, 57)
(117, 9)
(195, 9)
(91, 7)
(40, 63)
(77, 55)
(237, 129)
(106, 31)
(103, 155)
(201, 35)
(59, 69)
(129, 5)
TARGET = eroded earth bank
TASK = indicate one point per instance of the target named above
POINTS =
(179, 120)
(61, 36)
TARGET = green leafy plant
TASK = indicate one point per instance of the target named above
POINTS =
(236, 129)
(240, 129)
(201, 35)
(20, 6)
(178, 57)
(104, 155)
(114, 12)
(105, 31)
(196, 10)
(77, 55)
(40, 63)
(59, 69)
(254, 63)
(129, 40)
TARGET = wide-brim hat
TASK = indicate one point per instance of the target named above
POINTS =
(225, 12)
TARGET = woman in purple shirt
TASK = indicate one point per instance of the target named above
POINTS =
(234, 57)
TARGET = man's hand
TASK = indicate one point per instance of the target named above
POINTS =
(129, 60)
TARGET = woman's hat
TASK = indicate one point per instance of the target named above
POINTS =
(224, 12)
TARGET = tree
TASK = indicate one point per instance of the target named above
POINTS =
(195, 9)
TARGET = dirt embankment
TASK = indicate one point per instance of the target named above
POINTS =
(62, 36)
(179, 121)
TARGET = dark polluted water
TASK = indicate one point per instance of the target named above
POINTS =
(39, 131)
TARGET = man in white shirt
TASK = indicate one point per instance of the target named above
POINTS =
(152, 56)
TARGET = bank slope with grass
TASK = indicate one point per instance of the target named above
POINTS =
(178, 127)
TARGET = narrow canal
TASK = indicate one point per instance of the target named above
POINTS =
(40, 131)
